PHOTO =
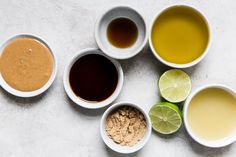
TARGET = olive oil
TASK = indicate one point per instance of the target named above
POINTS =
(180, 35)
(212, 114)
(122, 32)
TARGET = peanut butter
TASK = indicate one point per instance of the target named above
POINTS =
(26, 64)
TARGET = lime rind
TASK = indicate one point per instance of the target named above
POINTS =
(168, 111)
(174, 85)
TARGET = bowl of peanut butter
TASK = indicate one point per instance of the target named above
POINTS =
(27, 66)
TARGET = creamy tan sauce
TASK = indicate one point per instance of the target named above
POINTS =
(26, 64)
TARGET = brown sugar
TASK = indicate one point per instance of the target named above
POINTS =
(126, 126)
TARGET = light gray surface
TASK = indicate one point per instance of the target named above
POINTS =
(51, 125)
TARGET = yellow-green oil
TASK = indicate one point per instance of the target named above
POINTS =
(180, 35)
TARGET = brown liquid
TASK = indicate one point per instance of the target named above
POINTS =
(26, 64)
(93, 77)
(122, 32)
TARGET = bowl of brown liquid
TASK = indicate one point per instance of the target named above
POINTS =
(121, 32)
(93, 80)
(27, 65)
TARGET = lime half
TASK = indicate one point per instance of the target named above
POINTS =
(166, 118)
(174, 85)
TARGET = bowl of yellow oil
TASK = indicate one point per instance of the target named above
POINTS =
(210, 115)
(179, 36)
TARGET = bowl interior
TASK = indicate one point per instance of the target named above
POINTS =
(101, 32)
(209, 143)
(92, 104)
(18, 93)
(116, 147)
(175, 65)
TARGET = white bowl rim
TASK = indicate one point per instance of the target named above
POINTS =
(129, 149)
(39, 91)
(89, 104)
(196, 61)
(100, 45)
(213, 144)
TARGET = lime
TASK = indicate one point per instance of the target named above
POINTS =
(166, 118)
(174, 85)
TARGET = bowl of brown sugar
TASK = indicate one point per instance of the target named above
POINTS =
(125, 127)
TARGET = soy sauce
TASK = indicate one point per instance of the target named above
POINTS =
(93, 77)
(122, 32)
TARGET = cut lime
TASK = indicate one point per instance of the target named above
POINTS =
(166, 118)
(174, 85)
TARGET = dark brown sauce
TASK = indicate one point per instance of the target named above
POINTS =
(122, 32)
(93, 77)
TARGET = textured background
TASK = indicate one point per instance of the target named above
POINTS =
(51, 125)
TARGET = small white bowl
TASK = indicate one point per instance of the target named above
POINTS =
(116, 147)
(216, 143)
(18, 93)
(101, 32)
(174, 65)
(91, 104)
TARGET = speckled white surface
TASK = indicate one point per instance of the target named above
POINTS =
(51, 125)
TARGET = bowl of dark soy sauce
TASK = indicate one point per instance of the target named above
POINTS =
(93, 80)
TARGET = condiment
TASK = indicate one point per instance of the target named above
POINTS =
(93, 77)
(212, 114)
(26, 64)
(126, 126)
(122, 32)
(180, 35)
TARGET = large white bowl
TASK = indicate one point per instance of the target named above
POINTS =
(90, 104)
(174, 65)
(209, 143)
(39, 91)
(101, 32)
(116, 147)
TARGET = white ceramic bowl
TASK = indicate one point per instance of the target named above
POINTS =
(90, 104)
(101, 32)
(116, 147)
(174, 65)
(216, 143)
(18, 93)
